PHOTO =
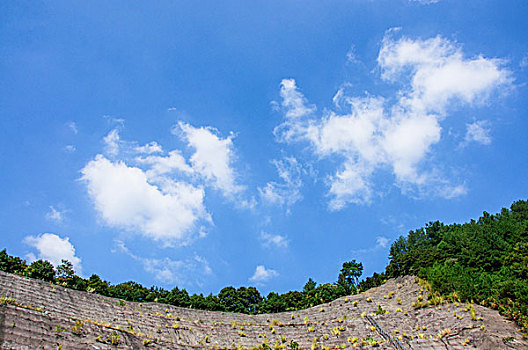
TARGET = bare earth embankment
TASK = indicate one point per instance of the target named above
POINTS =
(39, 315)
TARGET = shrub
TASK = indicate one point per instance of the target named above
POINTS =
(77, 328)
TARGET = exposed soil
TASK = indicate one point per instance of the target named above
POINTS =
(38, 315)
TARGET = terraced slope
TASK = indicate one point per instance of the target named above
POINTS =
(39, 315)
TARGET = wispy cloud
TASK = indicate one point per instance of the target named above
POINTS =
(149, 148)
(479, 131)
(212, 158)
(55, 215)
(73, 127)
(70, 148)
(111, 141)
(524, 62)
(425, 2)
(288, 192)
(115, 121)
(168, 271)
(378, 134)
(382, 241)
(269, 240)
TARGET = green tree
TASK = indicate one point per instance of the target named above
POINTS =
(327, 292)
(377, 279)
(348, 279)
(131, 291)
(157, 294)
(309, 286)
(273, 303)
(41, 269)
(294, 300)
(178, 297)
(250, 299)
(517, 260)
(65, 273)
(12, 264)
(230, 301)
(97, 285)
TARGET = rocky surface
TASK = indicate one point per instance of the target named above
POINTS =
(39, 315)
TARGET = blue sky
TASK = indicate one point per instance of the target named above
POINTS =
(207, 144)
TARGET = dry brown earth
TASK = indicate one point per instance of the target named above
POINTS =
(39, 315)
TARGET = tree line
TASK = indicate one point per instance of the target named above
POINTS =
(230, 299)
(483, 261)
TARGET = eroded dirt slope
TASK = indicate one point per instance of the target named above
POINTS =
(39, 315)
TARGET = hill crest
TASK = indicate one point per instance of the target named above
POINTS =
(37, 314)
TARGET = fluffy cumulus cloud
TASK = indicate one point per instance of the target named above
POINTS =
(169, 271)
(167, 211)
(268, 240)
(262, 275)
(160, 194)
(212, 158)
(53, 248)
(396, 132)
(288, 191)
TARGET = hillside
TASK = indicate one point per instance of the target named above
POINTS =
(39, 315)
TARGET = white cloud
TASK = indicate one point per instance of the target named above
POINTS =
(288, 192)
(169, 211)
(262, 275)
(164, 270)
(296, 110)
(351, 55)
(112, 142)
(294, 101)
(269, 240)
(397, 132)
(524, 62)
(73, 127)
(55, 215)
(159, 194)
(212, 158)
(70, 148)
(478, 131)
(162, 165)
(350, 185)
(168, 271)
(149, 148)
(54, 248)
(439, 74)
(206, 268)
(449, 191)
(382, 241)
(425, 2)
(114, 120)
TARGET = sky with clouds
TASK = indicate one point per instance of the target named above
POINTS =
(259, 143)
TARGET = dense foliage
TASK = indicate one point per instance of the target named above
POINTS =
(485, 260)
(243, 299)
